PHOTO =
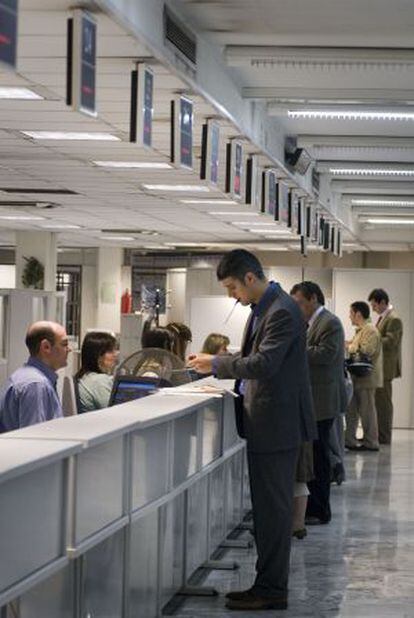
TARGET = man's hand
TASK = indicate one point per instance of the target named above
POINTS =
(202, 363)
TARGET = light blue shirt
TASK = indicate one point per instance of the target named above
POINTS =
(29, 396)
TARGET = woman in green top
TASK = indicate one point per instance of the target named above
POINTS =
(94, 379)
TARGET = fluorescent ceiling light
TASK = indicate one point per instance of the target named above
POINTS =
(388, 221)
(12, 92)
(156, 247)
(267, 230)
(21, 218)
(331, 114)
(366, 171)
(363, 202)
(258, 223)
(186, 244)
(187, 188)
(61, 226)
(232, 214)
(126, 238)
(71, 135)
(281, 237)
(145, 165)
(211, 202)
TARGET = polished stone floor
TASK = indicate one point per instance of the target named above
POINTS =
(360, 565)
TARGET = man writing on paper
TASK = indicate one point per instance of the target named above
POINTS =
(274, 415)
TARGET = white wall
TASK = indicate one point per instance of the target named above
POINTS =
(7, 276)
(355, 284)
(109, 288)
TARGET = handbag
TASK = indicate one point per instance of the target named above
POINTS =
(359, 365)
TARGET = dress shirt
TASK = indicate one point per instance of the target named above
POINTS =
(384, 314)
(312, 319)
(29, 396)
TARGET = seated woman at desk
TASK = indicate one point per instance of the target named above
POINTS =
(94, 380)
(155, 365)
(215, 344)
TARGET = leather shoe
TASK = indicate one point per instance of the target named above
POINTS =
(253, 602)
(338, 474)
(368, 448)
(300, 534)
(240, 594)
(316, 521)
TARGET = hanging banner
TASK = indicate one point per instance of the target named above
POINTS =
(81, 63)
(182, 132)
(234, 168)
(210, 148)
(8, 32)
(142, 97)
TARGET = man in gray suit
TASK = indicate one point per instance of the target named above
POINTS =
(326, 346)
(274, 415)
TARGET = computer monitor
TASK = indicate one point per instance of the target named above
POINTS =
(129, 388)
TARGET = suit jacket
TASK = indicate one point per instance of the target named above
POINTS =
(391, 330)
(277, 413)
(326, 346)
(368, 341)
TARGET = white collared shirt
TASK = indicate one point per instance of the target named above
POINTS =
(384, 314)
(314, 316)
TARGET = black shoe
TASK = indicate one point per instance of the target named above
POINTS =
(367, 448)
(338, 474)
(255, 602)
(316, 521)
(350, 447)
(240, 594)
(300, 534)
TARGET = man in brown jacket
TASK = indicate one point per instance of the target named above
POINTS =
(367, 342)
(390, 328)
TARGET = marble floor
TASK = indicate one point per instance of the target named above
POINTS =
(360, 565)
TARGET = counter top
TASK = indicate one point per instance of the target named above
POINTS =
(18, 457)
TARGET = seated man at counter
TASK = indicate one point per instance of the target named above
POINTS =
(29, 395)
(274, 415)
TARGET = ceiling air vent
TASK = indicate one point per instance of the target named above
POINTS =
(37, 191)
(178, 37)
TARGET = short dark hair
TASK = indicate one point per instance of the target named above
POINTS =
(35, 336)
(361, 307)
(237, 264)
(309, 289)
(158, 337)
(182, 336)
(94, 345)
(378, 295)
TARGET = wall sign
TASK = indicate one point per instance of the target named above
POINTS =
(8, 32)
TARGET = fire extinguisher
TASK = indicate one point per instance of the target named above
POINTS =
(126, 302)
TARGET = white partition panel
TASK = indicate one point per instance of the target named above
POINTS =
(209, 315)
(355, 284)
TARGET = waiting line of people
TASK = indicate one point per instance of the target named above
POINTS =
(292, 396)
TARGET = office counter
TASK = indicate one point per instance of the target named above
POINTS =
(123, 504)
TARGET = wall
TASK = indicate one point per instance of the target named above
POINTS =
(109, 288)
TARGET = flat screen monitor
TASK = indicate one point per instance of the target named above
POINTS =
(210, 148)
(283, 203)
(129, 388)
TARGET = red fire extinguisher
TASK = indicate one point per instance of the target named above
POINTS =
(126, 302)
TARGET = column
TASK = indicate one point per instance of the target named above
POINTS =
(109, 288)
(42, 246)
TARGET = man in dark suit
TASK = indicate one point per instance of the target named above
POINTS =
(325, 346)
(275, 416)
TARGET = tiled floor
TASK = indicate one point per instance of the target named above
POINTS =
(360, 565)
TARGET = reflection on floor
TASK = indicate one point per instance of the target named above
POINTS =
(360, 565)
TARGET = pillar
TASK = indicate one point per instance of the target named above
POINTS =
(42, 246)
(109, 288)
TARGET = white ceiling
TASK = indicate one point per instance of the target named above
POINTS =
(309, 54)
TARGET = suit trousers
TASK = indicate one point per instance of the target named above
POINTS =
(337, 442)
(385, 412)
(362, 407)
(320, 487)
(272, 477)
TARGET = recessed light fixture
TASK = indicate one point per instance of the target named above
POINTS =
(12, 92)
(123, 238)
(187, 188)
(211, 202)
(331, 114)
(222, 213)
(367, 202)
(267, 230)
(156, 247)
(255, 223)
(366, 171)
(61, 226)
(185, 244)
(21, 218)
(71, 135)
(388, 221)
(145, 165)
(281, 237)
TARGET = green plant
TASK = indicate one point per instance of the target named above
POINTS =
(33, 274)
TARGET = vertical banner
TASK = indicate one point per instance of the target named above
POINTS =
(81, 63)
(210, 149)
(294, 213)
(253, 182)
(234, 168)
(182, 121)
(282, 214)
(142, 105)
(269, 195)
(8, 32)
